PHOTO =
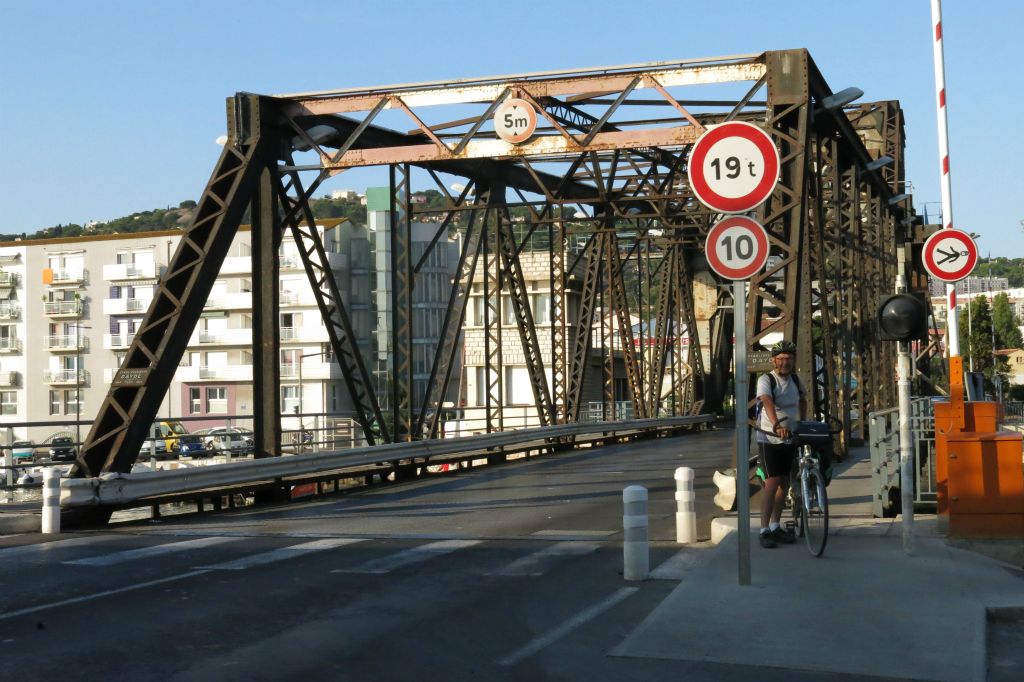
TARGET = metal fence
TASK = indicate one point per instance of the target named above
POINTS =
(884, 443)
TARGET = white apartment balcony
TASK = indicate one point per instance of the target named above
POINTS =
(10, 344)
(9, 279)
(64, 277)
(62, 308)
(10, 379)
(304, 335)
(65, 342)
(314, 371)
(66, 376)
(10, 311)
(296, 298)
(116, 272)
(238, 300)
(117, 341)
(122, 306)
(230, 337)
(223, 373)
(290, 371)
(289, 262)
(236, 265)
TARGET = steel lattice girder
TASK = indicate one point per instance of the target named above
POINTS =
(627, 172)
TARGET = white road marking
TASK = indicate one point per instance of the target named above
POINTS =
(97, 595)
(145, 552)
(678, 565)
(45, 547)
(409, 556)
(537, 563)
(281, 554)
(575, 534)
(538, 643)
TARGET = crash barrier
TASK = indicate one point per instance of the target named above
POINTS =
(884, 446)
(139, 488)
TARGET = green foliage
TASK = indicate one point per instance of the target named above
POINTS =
(1006, 323)
(976, 336)
(1011, 268)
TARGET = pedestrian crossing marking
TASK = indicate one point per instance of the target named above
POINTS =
(408, 557)
(146, 552)
(281, 554)
(538, 562)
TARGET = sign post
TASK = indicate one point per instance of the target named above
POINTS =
(734, 167)
(950, 255)
(737, 248)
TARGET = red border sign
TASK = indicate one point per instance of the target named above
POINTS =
(950, 255)
(725, 252)
(769, 164)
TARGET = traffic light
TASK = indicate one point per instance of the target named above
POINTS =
(902, 317)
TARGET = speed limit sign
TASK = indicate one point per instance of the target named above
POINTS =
(515, 120)
(733, 167)
(737, 247)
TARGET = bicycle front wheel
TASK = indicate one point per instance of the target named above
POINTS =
(814, 513)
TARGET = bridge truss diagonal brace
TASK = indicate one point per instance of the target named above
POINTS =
(334, 314)
(123, 420)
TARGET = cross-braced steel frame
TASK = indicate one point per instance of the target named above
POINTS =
(604, 181)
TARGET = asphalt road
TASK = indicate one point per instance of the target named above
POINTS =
(495, 573)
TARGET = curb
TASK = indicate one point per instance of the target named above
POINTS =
(21, 523)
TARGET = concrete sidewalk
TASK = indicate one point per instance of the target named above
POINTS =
(864, 608)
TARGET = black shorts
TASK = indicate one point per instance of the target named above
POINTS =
(777, 460)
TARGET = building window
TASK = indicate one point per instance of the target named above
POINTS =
(518, 390)
(71, 401)
(217, 400)
(541, 308)
(289, 400)
(195, 403)
(54, 402)
(8, 402)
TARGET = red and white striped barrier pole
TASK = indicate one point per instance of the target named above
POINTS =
(952, 317)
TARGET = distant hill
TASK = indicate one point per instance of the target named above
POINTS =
(180, 217)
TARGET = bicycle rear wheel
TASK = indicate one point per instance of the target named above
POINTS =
(814, 513)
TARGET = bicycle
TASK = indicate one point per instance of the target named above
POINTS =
(808, 494)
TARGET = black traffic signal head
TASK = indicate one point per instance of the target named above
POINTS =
(902, 317)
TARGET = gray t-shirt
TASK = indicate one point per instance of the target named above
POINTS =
(787, 403)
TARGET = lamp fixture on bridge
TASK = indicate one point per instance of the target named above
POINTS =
(841, 98)
(892, 201)
(880, 162)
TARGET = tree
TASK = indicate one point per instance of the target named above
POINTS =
(976, 344)
(1006, 323)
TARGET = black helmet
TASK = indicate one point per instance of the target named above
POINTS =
(784, 347)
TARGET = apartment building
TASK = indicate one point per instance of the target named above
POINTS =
(69, 309)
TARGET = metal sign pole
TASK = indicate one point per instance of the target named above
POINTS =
(739, 302)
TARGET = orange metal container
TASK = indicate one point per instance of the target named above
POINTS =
(978, 417)
(985, 484)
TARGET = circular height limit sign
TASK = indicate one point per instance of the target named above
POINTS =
(737, 247)
(515, 120)
(733, 167)
(950, 255)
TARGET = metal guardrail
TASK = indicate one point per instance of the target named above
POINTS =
(884, 444)
(125, 489)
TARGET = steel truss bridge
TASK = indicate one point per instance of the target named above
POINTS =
(606, 173)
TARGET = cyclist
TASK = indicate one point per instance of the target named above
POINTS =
(783, 401)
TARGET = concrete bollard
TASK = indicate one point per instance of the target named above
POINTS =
(725, 498)
(686, 510)
(635, 558)
(51, 500)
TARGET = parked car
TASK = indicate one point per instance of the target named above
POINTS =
(154, 447)
(190, 444)
(62, 449)
(22, 450)
(228, 439)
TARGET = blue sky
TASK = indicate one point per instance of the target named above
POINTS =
(107, 108)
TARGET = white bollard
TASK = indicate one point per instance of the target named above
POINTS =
(725, 498)
(635, 558)
(686, 510)
(51, 500)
